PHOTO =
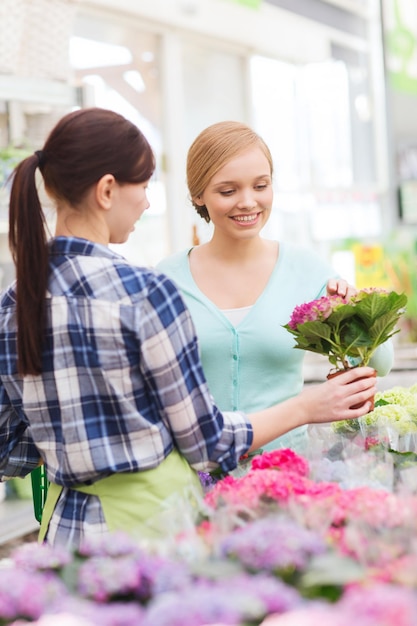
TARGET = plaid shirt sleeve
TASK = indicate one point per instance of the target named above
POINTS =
(18, 453)
(172, 367)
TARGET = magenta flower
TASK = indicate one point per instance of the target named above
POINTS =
(314, 311)
(285, 459)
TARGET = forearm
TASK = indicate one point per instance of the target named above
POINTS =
(328, 402)
(276, 421)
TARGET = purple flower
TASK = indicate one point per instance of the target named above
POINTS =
(272, 544)
(40, 556)
(118, 614)
(230, 600)
(26, 594)
(207, 481)
(136, 576)
(118, 544)
(86, 612)
(277, 596)
(167, 575)
(104, 578)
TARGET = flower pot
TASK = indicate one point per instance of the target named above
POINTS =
(332, 374)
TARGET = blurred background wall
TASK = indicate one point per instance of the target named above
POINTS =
(331, 85)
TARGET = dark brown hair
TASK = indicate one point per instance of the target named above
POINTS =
(215, 146)
(82, 147)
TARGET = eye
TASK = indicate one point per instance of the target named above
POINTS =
(261, 186)
(226, 192)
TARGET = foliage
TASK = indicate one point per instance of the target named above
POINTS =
(9, 158)
(343, 329)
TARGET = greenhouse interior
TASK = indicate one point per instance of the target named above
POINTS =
(287, 538)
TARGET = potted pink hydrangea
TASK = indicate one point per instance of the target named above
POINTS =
(347, 331)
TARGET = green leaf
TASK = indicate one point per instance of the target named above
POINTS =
(356, 334)
(332, 569)
(352, 330)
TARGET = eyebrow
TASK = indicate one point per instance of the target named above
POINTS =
(233, 182)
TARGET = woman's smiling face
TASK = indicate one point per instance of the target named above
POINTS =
(239, 196)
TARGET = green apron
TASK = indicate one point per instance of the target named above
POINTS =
(139, 503)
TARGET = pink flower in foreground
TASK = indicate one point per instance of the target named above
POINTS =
(248, 490)
(285, 459)
(380, 605)
(315, 615)
(376, 507)
(63, 619)
(370, 605)
(402, 571)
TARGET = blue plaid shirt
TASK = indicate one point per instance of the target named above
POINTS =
(121, 382)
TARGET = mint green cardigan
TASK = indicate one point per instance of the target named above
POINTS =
(254, 365)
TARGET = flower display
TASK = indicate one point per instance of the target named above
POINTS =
(347, 331)
(378, 449)
(392, 423)
(277, 546)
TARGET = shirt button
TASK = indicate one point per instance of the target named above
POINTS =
(235, 357)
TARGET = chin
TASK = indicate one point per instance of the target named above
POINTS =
(119, 240)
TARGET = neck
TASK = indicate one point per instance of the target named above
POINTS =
(71, 223)
(237, 249)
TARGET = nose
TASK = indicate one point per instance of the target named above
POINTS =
(246, 200)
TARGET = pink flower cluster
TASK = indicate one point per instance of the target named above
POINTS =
(376, 605)
(316, 310)
(285, 459)
(350, 519)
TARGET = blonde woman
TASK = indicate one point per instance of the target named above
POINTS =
(242, 288)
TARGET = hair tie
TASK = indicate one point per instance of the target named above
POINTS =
(41, 157)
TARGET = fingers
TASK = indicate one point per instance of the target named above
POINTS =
(357, 373)
(340, 287)
(358, 383)
(359, 411)
(357, 388)
(353, 388)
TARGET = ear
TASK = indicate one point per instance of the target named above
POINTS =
(198, 200)
(105, 190)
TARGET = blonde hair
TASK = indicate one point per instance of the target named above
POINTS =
(212, 149)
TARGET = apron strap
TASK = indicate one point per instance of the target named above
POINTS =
(52, 497)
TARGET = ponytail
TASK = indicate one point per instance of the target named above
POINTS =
(28, 246)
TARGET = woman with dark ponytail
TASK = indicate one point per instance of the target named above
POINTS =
(100, 375)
